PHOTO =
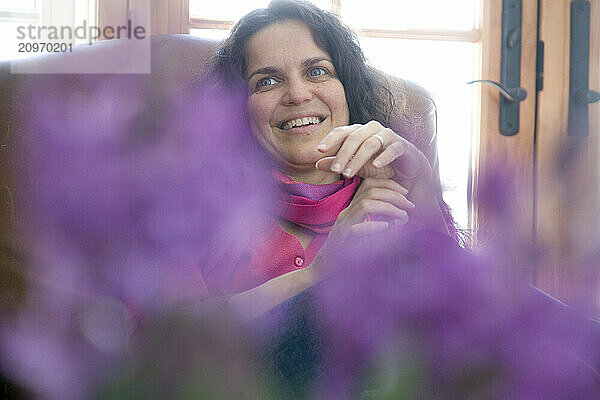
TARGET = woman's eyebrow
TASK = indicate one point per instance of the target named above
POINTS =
(264, 71)
(314, 60)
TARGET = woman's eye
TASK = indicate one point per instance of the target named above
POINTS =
(264, 82)
(317, 71)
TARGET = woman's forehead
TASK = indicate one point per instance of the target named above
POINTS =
(280, 44)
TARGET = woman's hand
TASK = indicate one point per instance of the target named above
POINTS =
(379, 205)
(374, 151)
(378, 202)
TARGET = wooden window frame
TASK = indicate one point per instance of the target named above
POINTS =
(22, 15)
(166, 16)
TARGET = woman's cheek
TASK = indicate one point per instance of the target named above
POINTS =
(335, 98)
(260, 113)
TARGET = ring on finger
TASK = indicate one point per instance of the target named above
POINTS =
(378, 137)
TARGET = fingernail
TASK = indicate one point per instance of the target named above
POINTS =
(411, 204)
(336, 167)
(377, 164)
(348, 172)
(405, 218)
(401, 221)
(321, 146)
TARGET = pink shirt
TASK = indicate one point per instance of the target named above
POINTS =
(271, 252)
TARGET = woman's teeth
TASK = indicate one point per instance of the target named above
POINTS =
(300, 122)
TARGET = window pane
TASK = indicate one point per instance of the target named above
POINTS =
(411, 14)
(18, 4)
(443, 68)
(232, 10)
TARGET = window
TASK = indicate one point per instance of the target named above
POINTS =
(15, 13)
(18, 9)
(439, 50)
(47, 13)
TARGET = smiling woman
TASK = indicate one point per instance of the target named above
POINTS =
(293, 81)
(321, 115)
(440, 51)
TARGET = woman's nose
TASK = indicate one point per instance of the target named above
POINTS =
(298, 92)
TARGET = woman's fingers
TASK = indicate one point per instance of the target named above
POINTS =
(407, 161)
(378, 205)
(391, 153)
(350, 149)
(378, 200)
(366, 151)
(336, 137)
(389, 196)
(368, 227)
(369, 209)
(358, 146)
(383, 183)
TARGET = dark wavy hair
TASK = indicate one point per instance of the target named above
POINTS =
(367, 93)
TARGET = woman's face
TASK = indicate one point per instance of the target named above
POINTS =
(295, 96)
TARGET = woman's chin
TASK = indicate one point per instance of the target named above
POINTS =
(303, 162)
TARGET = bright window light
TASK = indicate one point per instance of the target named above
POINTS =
(411, 14)
(443, 68)
(18, 4)
(232, 10)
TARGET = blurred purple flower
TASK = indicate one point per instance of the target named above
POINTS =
(462, 325)
(121, 191)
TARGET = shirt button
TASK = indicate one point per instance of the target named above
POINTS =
(299, 262)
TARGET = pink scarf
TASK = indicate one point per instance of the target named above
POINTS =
(314, 207)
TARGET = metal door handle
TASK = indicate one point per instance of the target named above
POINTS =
(589, 97)
(510, 68)
(513, 94)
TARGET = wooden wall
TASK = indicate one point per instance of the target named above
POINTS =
(163, 16)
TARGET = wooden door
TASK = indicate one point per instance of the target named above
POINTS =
(568, 168)
(551, 210)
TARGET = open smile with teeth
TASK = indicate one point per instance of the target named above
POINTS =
(301, 122)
